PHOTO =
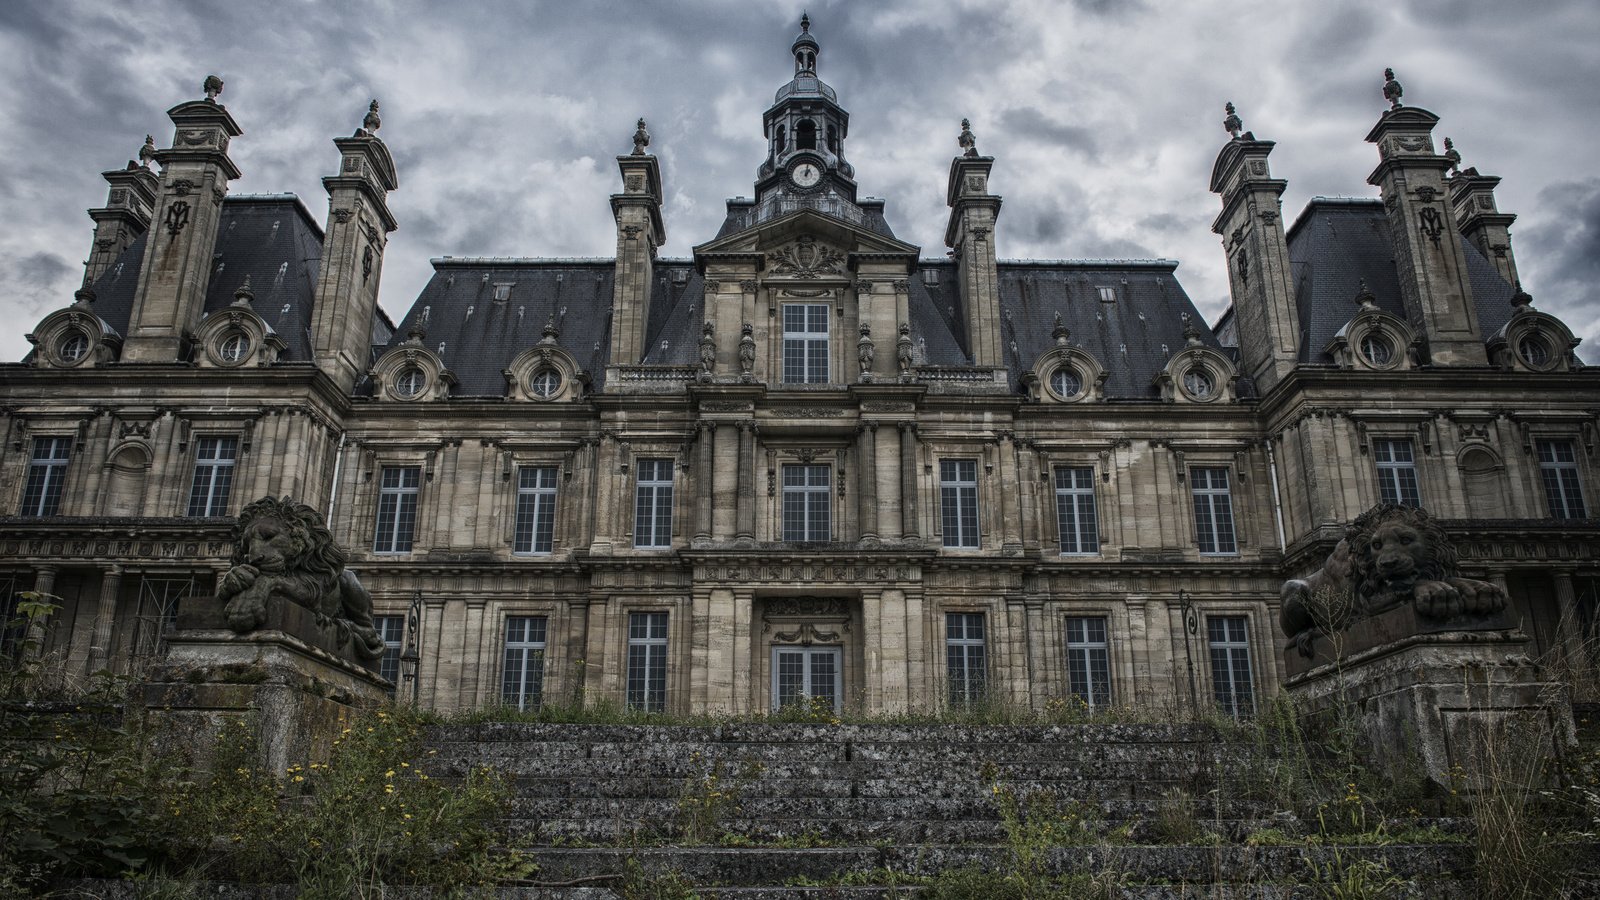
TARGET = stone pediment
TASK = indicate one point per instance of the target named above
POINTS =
(794, 243)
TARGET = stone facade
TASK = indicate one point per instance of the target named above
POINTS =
(808, 459)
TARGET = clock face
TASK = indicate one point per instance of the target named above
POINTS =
(806, 174)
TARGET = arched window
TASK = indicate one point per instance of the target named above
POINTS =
(833, 141)
(783, 139)
(805, 135)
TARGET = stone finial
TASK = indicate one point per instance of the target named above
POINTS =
(244, 295)
(641, 139)
(1191, 334)
(968, 141)
(805, 22)
(1521, 301)
(212, 87)
(371, 123)
(416, 334)
(147, 153)
(1232, 124)
(747, 349)
(1061, 332)
(1392, 90)
(83, 297)
(550, 332)
(1364, 297)
(1454, 155)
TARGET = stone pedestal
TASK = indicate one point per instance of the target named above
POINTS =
(1436, 695)
(288, 681)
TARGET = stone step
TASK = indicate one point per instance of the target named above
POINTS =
(841, 751)
(783, 809)
(648, 787)
(801, 767)
(1097, 735)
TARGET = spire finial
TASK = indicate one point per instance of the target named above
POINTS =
(1061, 332)
(1391, 89)
(967, 140)
(147, 153)
(1521, 301)
(212, 87)
(1454, 155)
(1364, 297)
(1191, 334)
(641, 139)
(244, 295)
(551, 332)
(1233, 124)
(371, 123)
(83, 296)
(805, 23)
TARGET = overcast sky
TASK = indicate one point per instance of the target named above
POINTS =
(505, 117)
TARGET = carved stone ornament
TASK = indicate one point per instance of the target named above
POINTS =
(366, 262)
(177, 217)
(641, 139)
(1392, 91)
(747, 350)
(966, 140)
(865, 352)
(342, 215)
(806, 635)
(212, 87)
(1232, 124)
(903, 349)
(283, 553)
(806, 258)
(195, 138)
(708, 350)
(1431, 223)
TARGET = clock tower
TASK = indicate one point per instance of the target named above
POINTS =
(805, 129)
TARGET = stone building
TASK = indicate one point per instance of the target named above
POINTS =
(811, 460)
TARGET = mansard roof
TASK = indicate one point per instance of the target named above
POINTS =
(1338, 242)
(269, 237)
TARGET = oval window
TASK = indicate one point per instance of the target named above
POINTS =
(73, 347)
(545, 383)
(1535, 352)
(234, 347)
(1198, 383)
(1066, 383)
(409, 382)
(1377, 350)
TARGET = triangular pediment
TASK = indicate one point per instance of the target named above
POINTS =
(774, 234)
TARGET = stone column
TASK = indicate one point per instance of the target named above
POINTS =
(1570, 624)
(908, 480)
(867, 475)
(104, 616)
(705, 464)
(746, 498)
(44, 581)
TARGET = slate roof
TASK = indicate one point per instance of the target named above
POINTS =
(1336, 243)
(271, 238)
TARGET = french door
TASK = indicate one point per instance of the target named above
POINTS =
(807, 675)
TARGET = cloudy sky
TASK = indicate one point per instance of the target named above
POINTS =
(504, 117)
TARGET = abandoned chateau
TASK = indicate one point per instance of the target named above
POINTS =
(813, 460)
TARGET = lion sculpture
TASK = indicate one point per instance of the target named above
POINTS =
(285, 553)
(1390, 555)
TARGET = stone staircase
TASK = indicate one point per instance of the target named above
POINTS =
(767, 810)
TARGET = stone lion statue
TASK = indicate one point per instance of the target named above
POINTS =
(285, 553)
(1390, 555)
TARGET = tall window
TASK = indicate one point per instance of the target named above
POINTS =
(47, 472)
(652, 517)
(805, 503)
(1088, 660)
(397, 509)
(536, 510)
(805, 343)
(958, 502)
(1558, 466)
(964, 657)
(1397, 472)
(647, 661)
(1075, 510)
(522, 679)
(213, 475)
(391, 630)
(1229, 637)
(1213, 511)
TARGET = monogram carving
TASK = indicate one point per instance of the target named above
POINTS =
(805, 258)
(1432, 223)
(177, 217)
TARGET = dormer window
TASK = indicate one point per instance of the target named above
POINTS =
(805, 135)
(409, 382)
(1066, 383)
(233, 348)
(1376, 349)
(1108, 294)
(1534, 351)
(1198, 383)
(502, 291)
(545, 383)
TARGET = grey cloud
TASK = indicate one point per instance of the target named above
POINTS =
(41, 270)
(1029, 122)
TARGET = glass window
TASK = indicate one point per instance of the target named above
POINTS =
(74, 346)
(805, 343)
(391, 630)
(958, 502)
(1377, 349)
(1065, 382)
(397, 509)
(1229, 637)
(806, 675)
(1535, 352)
(805, 503)
(1198, 383)
(1107, 294)
(545, 383)
(536, 510)
(1397, 472)
(965, 658)
(47, 473)
(234, 347)
(1558, 468)
(652, 519)
(522, 678)
(1075, 510)
(214, 459)
(409, 382)
(647, 661)
(1088, 661)
(1213, 511)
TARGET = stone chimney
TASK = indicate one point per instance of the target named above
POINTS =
(970, 236)
(640, 231)
(1478, 218)
(126, 214)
